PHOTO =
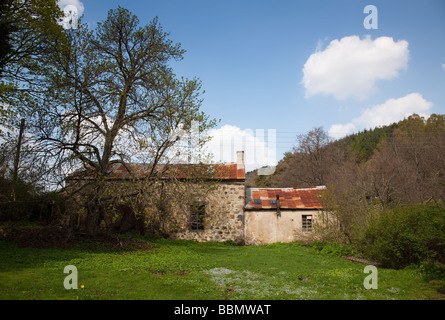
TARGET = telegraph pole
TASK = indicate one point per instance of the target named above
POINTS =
(17, 159)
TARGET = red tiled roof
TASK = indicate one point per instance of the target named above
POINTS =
(231, 171)
(176, 171)
(289, 198)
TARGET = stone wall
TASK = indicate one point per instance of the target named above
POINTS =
(224, 216)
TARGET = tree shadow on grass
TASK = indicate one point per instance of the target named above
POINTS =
(22, 248)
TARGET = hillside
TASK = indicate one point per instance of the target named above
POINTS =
(402, 162)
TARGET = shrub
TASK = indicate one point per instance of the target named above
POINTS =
(230, 243)
(431, 270)
(332, 248)
(406, 235)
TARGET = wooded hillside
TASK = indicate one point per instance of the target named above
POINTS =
(403, 163)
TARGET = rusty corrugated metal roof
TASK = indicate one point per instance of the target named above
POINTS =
(289, 198)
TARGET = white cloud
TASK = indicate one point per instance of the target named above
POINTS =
(392, 110)
(78, 4)
(443, 66)
(259, 147)
(338, 131)
(351, 66)
(74, 6)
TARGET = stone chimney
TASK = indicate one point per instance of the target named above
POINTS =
(240, 159)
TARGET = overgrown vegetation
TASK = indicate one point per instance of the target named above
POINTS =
(385, 188)
(406, 235)
(31, 202)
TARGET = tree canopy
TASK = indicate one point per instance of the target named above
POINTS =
(107, 96)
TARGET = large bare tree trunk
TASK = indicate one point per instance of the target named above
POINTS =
(92, 220)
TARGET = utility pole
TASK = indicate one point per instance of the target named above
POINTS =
(17, 159)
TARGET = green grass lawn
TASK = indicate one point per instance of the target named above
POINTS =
(173, 269)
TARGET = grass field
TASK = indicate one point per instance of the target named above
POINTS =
(172, 269)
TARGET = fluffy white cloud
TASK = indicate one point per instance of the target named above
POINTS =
(259, 147)
(78, 4)
(73, 10)
(392, 110)
(443, 66)
(338, 131)
(351, 66)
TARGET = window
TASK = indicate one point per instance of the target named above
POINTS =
(198, 210)
(307, 223)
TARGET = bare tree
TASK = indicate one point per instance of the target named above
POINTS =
(311, 147)
(311, 161)
(413, 156)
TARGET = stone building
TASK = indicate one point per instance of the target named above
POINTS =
(226, 211)
(251, 215)
(219, 216)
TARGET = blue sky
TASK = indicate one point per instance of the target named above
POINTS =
(290, 66)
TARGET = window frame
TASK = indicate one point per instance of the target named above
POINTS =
(197, 216)
(306, 224)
